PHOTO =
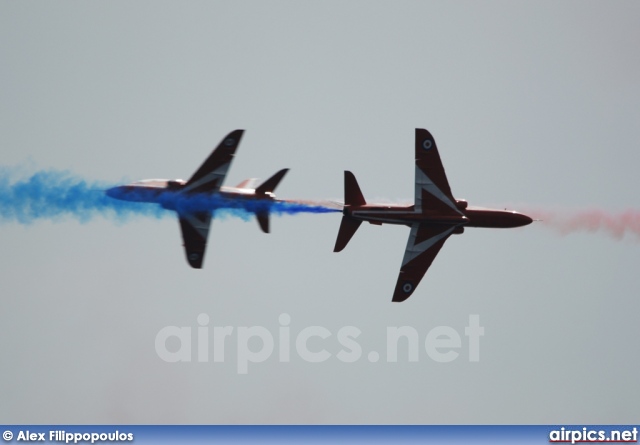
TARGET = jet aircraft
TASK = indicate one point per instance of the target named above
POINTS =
(206, 181)
(435, 215)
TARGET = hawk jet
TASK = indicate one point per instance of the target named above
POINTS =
(206, 183)
(434, 216)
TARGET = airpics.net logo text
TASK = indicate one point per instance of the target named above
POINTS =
(257, 344)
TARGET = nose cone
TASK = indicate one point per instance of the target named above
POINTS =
(522, 220)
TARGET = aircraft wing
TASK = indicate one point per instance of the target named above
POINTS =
(432, 191)
(195, 231)
(209, 177)
(425, 241)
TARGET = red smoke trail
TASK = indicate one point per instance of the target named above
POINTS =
(616, 225)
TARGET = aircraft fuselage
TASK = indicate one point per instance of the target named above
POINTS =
(155, 190)
(406, 215)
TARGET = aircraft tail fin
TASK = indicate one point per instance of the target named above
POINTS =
(348, 228)
(270, 184)
(352, 193)
(352, 197)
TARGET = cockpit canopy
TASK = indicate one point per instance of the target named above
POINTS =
(158, 183)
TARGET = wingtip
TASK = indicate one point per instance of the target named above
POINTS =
(195, 259)
(399, 298)
(236, 133)
(404, 289)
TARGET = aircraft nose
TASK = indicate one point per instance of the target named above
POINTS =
(524, 220)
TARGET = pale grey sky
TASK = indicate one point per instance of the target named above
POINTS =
(532, 102)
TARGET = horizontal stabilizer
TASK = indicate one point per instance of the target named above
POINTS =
(348, 228)
(270, 184)
(263, 221)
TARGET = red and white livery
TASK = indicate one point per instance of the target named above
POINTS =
(434, 216)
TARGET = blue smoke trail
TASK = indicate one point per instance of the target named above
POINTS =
(54, 195)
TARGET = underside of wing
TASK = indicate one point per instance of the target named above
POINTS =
(209, 177)
(432, 191)
(195, 231)
(425, 241)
